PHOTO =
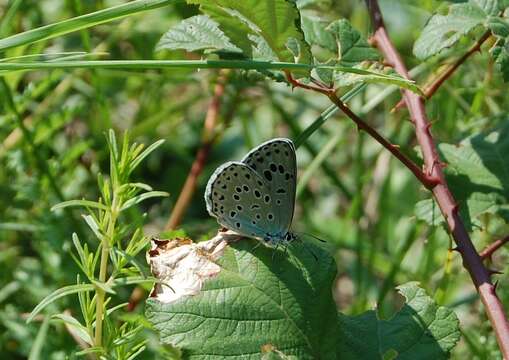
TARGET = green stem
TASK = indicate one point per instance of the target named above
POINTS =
(105, 253)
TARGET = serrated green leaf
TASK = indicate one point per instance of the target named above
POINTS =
(261, 297)
(478, 174)
(196, 33)
(275, 21)
(351, 46)
(500, 53)
(443, 31)
(498, 26)
(420, 330)
(490, 7)
(316, 34)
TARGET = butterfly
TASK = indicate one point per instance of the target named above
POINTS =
(255, 197)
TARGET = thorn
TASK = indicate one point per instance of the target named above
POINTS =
(495, 285)
(455, 208)
(494, 272)
(454, 249)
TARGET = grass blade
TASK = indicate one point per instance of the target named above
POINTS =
(80, 22)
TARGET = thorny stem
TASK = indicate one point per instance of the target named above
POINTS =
(208, 139)
(427, 180)
(432, 88)
(490, 249)
(471, 259)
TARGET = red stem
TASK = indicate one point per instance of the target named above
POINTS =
(208, 138)
(432, 88)
(490, 249)
(426, 180)
(471, 259)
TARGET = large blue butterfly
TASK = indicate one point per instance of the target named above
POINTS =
(256, 196)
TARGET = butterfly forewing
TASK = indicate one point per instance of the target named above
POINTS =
(239, 198)
(275, 162)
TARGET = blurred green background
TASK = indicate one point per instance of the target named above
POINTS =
(370, 228)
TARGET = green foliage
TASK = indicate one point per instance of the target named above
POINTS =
(72, 70)
(443, 31)
(280, 300)
(260, 23)
(196, 33)
(420, 330)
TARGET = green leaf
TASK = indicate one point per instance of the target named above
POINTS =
(490, 7)
(84, 203)
(275, 21)
(478, 174)
(500, 53)
(346, 76)
(196, 33)
(78, 329)
(139, 198)
(351, 46)
(57, 294)
(315, 33)
(498, 26)
(261, 297)
(428, 210)
(420, 330)
(40, 341)
(443, 31)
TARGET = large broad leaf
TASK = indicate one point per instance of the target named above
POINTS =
(443, 31)
(222, 299)
(275, 21)
(478, 174)
(420, 330)
(258, 298)
(196, 33)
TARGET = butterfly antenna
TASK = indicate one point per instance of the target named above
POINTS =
(314, 237)
(274, 253)
(256, 246)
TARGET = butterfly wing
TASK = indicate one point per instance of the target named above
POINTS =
(276, 163)
(239, 198)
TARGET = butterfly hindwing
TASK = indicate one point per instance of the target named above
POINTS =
(239, 198)
(276, 163)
